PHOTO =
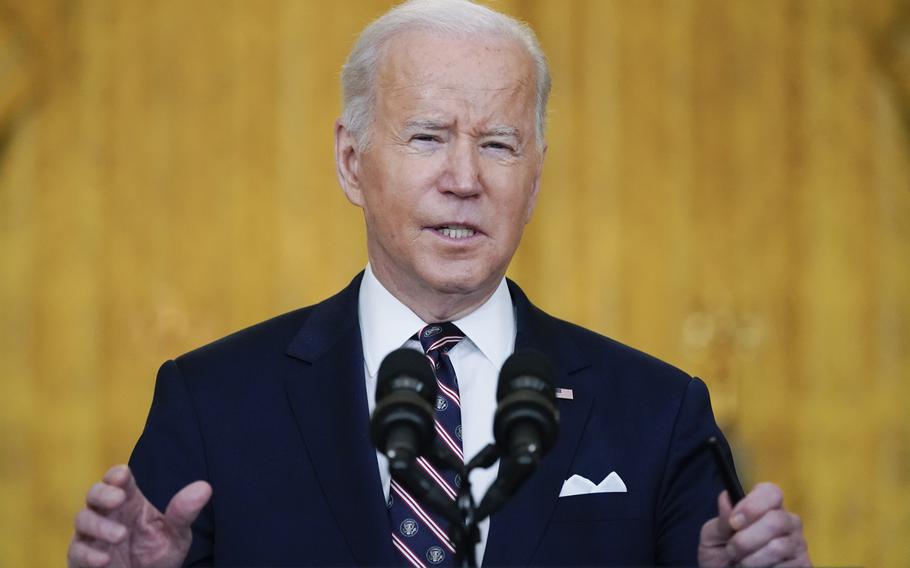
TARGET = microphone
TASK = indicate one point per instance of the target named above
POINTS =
(525, 424)
(403, 428)
(526, 420)
(402, 424)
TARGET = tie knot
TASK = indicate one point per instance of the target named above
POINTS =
(438, 338)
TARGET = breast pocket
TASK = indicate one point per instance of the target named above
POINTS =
(597, 507)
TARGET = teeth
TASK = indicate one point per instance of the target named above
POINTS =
(456, 232)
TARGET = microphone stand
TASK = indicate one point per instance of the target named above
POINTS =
(465, 534)
(526, 420)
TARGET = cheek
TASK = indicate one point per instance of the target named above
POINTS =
(516, 204)
(392, 221)
(406, 187)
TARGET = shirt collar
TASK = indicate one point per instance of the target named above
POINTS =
(491, 327)
(386, 324)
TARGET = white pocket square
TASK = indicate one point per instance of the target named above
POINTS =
(578, 485)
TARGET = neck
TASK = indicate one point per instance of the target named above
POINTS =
(432, 305)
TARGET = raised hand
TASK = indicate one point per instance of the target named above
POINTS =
(120, 528)
(759, 531)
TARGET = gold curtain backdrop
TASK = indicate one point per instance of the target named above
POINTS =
(727, 187)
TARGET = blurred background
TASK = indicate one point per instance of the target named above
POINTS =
(727, 187)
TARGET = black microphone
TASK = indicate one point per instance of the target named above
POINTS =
(525, 424)
(526, 420)
(402, 425)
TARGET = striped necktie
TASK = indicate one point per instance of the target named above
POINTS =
(420, 535)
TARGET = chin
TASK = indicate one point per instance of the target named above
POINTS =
(460, 282)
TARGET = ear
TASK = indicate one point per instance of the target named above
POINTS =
(535, 186)
(347, 163)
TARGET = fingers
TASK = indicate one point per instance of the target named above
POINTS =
(758, 531)
(91, 525)
(772, 553)
(785, 551)
(801, 560)
(769, 538)
(187, 503)
(763, 498)
(80, 554)
(96, 525)
(121, 476)
(115, 488)
(117, 495)
(105, 497)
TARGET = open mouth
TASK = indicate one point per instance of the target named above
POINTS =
(455, 231)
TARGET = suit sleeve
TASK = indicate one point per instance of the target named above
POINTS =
(170, 454)
(691, 482)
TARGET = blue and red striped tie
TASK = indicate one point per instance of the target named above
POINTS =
(419, 534)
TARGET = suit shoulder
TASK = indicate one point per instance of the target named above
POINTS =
(621, 361)
(267, 338)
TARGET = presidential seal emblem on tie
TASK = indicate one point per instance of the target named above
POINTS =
(418, 534)
(408, 527)
(435, 555)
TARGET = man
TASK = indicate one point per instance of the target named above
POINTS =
(259, 441)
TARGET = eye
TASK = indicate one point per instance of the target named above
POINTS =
(498, 146)
(424, 138)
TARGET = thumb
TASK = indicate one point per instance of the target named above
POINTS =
(718, 531)
(187, 503)
(724, 507)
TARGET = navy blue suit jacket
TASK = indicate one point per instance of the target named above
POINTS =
(275, 418)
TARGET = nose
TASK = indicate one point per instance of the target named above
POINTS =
(462, 174)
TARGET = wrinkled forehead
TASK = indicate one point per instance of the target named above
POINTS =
(421, 65)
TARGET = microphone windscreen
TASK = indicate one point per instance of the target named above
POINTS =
(525, 363)
(404, 365)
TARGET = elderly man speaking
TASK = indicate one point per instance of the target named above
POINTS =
(256, 451)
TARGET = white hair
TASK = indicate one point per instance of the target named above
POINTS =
(450, 17)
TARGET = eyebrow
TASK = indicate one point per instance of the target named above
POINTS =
(503, 131)
(435, 125)
(425, 125)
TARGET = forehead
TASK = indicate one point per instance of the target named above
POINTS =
(424, 72)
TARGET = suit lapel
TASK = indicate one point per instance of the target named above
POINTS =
(523, 520)
(328, 398)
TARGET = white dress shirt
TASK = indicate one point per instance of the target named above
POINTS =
(386, 325)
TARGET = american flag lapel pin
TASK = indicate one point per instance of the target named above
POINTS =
(565, 394)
